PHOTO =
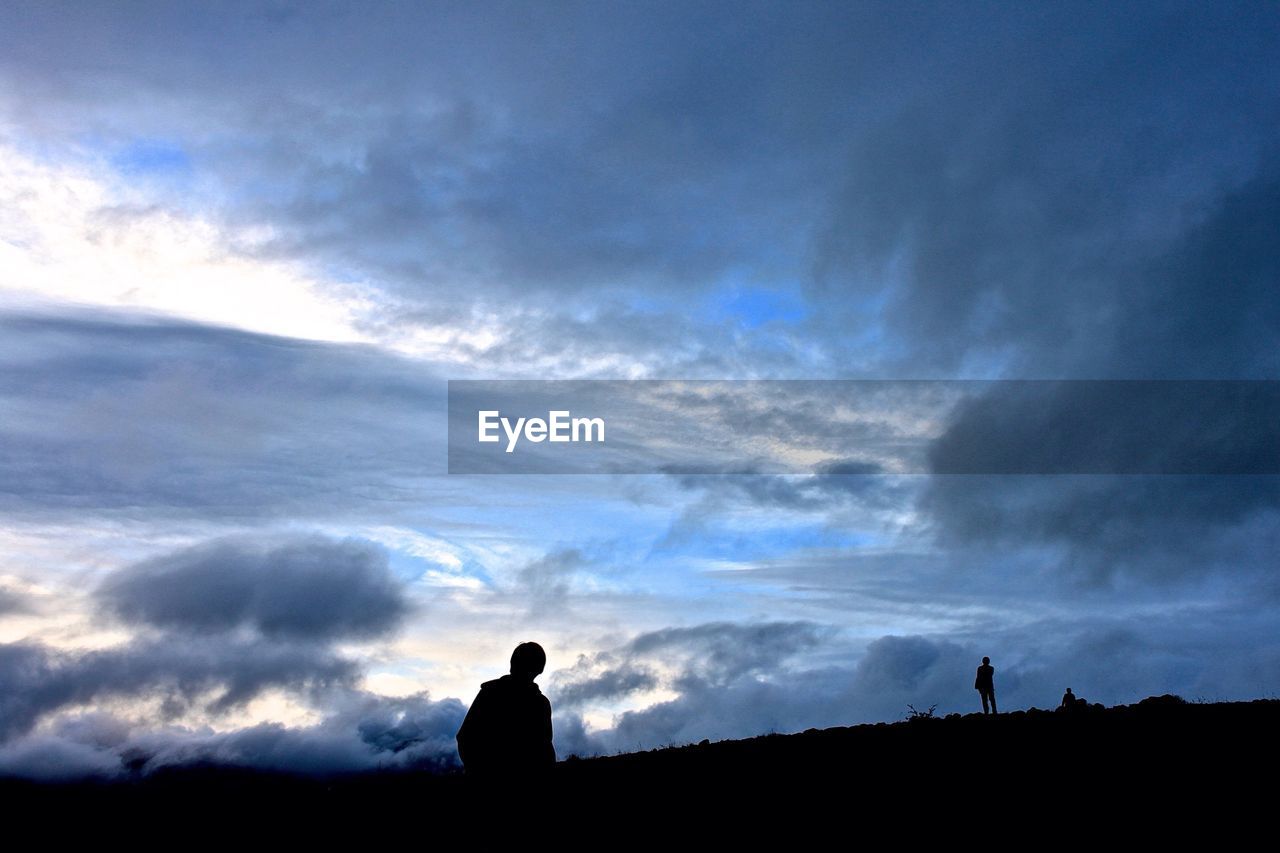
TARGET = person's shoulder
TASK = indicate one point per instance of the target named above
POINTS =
(508, 684)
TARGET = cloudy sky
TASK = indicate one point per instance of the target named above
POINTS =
(243, 247)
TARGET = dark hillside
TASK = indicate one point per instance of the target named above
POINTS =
(1161, 767)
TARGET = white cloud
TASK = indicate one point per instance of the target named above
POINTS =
(68, 234)
(417, 544)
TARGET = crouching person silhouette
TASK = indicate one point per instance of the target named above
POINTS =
(507, 731)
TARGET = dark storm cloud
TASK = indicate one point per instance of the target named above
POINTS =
(1113, 427)
(722, 651)
(940, 214)
(223, 622)
(111, 414)
(937, 209)
(714, 653)
(552, 152)
(1102, 527)
(215, 673)
(361, 731)
(1015, 222)
(433, 201)
(611, 684)
(302, 588)
(1206, 306)
(1159, 527)
(1203, 307)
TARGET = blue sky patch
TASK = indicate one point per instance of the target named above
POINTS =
(152, 157)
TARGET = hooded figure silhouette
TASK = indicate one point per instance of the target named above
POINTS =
(507, 730)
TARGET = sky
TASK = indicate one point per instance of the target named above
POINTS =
(245, 246)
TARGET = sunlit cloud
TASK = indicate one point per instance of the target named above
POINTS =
(71, 235)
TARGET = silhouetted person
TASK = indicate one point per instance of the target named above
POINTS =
(986, 686)
(507, 730)
(1069, 701)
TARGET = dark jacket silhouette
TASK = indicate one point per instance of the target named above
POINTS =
(507, 730)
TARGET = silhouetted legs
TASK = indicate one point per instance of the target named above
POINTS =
(988, 698)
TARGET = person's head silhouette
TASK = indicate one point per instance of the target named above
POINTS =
(528, 661)
(986, 661)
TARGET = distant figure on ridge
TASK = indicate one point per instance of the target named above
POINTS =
(986, 686)
(507, 730)
(1072, 702)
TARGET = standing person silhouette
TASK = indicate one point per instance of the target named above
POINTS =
(986, 686)
(507, 730)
